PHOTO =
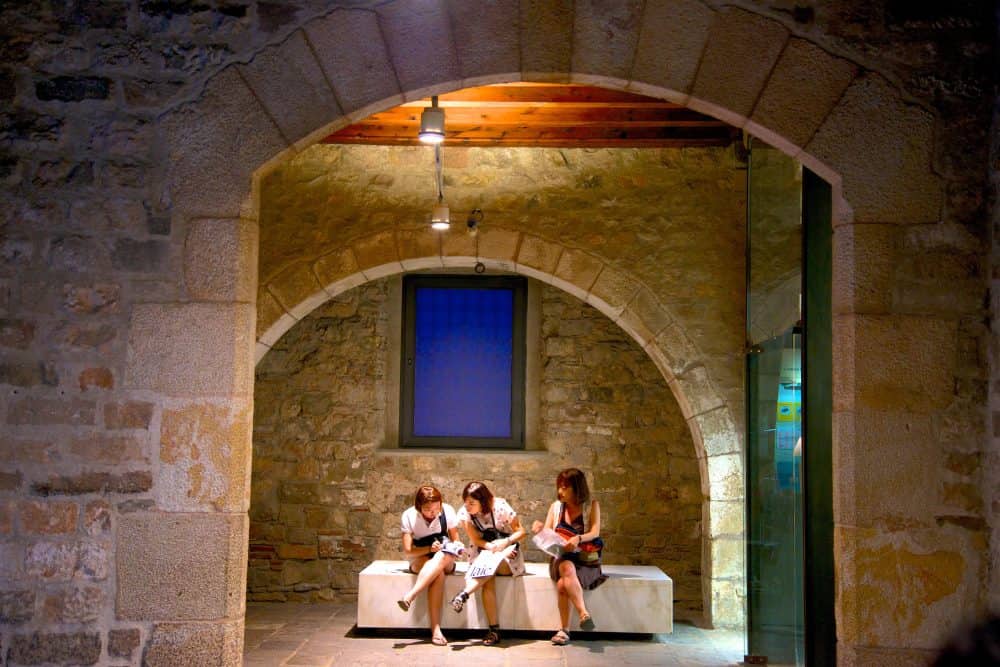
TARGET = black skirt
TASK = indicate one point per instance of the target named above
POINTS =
(589, 574)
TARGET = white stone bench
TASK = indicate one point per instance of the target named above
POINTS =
(636, 598)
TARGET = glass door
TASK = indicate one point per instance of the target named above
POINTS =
(789, 414)
(774, 409)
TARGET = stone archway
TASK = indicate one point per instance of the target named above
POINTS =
(622, 298)
(850, 125)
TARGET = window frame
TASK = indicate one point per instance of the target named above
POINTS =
(519, 287)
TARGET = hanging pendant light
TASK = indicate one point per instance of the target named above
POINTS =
(432, 123)
(440, 215)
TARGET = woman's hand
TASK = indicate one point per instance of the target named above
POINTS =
(575, 541)
(537, 526)
(435, 547)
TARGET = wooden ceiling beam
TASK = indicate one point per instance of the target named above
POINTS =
(545, 115)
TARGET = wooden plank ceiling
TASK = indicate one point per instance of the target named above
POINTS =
(545, 115)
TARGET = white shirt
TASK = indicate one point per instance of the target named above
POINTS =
(413, 522)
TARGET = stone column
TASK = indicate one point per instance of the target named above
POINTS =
(181, 561)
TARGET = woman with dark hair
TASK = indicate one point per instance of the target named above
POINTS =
(427, 527)
(492, 525)
(578, 519)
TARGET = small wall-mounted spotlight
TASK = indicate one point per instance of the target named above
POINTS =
(472, 223)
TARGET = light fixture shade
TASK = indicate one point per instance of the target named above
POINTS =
(440, 217)
(432, 125)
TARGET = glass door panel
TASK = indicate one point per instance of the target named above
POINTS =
(775, 616)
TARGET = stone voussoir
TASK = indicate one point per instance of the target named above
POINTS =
(292, 65)
(742, 49)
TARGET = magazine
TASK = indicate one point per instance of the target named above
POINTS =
(486, 563)
(550, 542)
(456, 549)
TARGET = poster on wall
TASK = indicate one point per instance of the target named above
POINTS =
(788, 422)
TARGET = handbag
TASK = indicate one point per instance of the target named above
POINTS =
(590, 552)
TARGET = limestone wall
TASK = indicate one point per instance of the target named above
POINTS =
(327, 493)
(131, 135)
(670, 218)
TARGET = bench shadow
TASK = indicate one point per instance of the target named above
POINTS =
(460, 639)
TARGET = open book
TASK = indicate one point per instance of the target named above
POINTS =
(456, 549)
(551, 542)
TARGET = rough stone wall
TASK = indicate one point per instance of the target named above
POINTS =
(327, 496)
(85, 181)
(991, 460)
(673, 218)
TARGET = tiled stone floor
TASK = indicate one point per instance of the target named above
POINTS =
(324, 635)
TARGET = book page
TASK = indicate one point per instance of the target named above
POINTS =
(550, 542)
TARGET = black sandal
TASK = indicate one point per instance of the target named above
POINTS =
(492, 638)
(458, 602)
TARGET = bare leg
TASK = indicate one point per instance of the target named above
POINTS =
(490, 600)
(435, 596)
(571, 589)
(563, 605)
(427, 571)
(474, 584)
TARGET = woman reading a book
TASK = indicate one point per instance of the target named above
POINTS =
(494, 535)
(577, 520)
(430, 542)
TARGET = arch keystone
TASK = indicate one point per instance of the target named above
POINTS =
(546, 39)
(612, 25)
(457, 244)
(421, 47)
(419, 248)
(498, 243)
(486, 45)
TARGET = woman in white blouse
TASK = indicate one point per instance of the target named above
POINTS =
(426, 527)
(492, 525)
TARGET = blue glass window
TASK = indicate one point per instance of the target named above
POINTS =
(463, 362)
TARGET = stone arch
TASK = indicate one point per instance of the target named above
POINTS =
(621, 297)
(850, 125)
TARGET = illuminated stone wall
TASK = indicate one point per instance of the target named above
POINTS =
(132, 134)
(326, 494)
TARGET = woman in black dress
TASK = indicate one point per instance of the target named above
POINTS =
(578, 519)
